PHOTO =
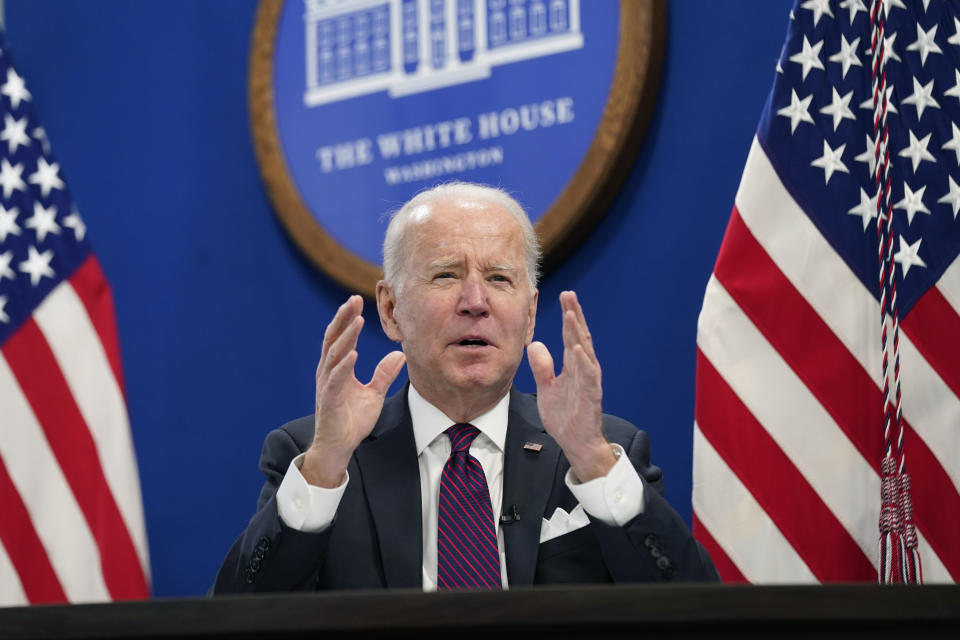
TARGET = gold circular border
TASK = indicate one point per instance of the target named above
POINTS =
(575, 212)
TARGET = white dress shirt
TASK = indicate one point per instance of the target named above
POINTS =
(614, 499)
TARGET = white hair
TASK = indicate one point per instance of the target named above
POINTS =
(394, 256)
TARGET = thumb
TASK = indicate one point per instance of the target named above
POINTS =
(541, 363)
(387, 371)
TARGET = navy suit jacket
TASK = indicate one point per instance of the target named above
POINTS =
(375, 540)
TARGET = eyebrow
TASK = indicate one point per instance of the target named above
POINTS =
(453, 262)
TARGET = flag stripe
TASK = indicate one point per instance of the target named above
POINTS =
(44, 490)
(11, 591)
(808, 261)
(738, 523)
(949, 285)
(83, 361)
(769, 474)
(725, 567)
(37, 581)
(934, 329)
(91, 287)
(35, 367)
(843, 387)
(794, 418)
(840, 299)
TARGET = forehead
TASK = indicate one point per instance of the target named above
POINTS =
(448, 228)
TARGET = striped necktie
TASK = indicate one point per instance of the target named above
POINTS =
(467, 555)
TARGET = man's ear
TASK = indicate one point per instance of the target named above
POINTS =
(387, 308)
(532, 316)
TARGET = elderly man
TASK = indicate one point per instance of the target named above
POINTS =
(459, 480)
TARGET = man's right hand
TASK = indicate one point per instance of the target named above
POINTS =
(345, 410)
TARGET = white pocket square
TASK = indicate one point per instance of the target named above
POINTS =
(562, 522)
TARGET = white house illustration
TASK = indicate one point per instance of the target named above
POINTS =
(355, 47)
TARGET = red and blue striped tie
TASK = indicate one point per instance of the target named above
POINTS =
(467, 555)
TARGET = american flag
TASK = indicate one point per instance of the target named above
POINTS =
(71, 519)
(789, 431)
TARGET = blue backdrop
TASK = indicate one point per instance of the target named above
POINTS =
(221, 318)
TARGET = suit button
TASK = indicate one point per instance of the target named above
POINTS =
(264, 542)
(259, 553)
(255, 565)
(250, 576)
(649, 541)
(663, 563)
(656, 551)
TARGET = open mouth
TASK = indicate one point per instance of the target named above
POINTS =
(473, 342)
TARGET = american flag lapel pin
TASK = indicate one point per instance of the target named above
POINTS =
(533, 446)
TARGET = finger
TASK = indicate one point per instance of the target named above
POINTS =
(588, 370)
(541, 364)
(387, 371)
(339, 376)
(344, 344)
(341, 321)
(571, 337)
(572, 304)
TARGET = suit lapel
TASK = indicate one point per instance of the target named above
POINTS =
(391, 483)
(528, 478)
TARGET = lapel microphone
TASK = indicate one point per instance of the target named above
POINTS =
(510, 518)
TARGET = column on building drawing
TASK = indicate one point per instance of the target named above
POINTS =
(410, 22)
(479, 29)
(452, 59)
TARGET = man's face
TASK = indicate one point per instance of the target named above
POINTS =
(466, 310)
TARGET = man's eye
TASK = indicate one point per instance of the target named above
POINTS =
(500, 278)
(443, 274)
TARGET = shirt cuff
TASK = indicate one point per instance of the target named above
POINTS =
(614, 499)
(303, 506)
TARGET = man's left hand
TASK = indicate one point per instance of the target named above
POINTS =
(570, 403)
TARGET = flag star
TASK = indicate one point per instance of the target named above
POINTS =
(925, 43)
(8, 223)
(908, 256)
(952, 197)
(47, 176)
(830, 161)
(37, 264)
(953, 144)
(926, 5)
(922, 97)
(955, 38)
(869, 155)
(867, 209)
(854, 7)
(818, 7)
(847, 56)
(888, 49)
(839, 108)
(912, 202)
(809, 57)
(3, 316)
(891, 107)
(73, 221)
(14, 133)
(10, 178)
(797, 111)
(5, 270)
(955, 89)
(41, 134)
(892, 4)
(917, 150)
(14, 88)
(43, 221)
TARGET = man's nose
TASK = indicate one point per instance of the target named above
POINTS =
(473, 297)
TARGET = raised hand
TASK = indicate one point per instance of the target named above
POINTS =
(345, 410)
(570, 403)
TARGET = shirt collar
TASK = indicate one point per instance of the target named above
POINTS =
(429, 421)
